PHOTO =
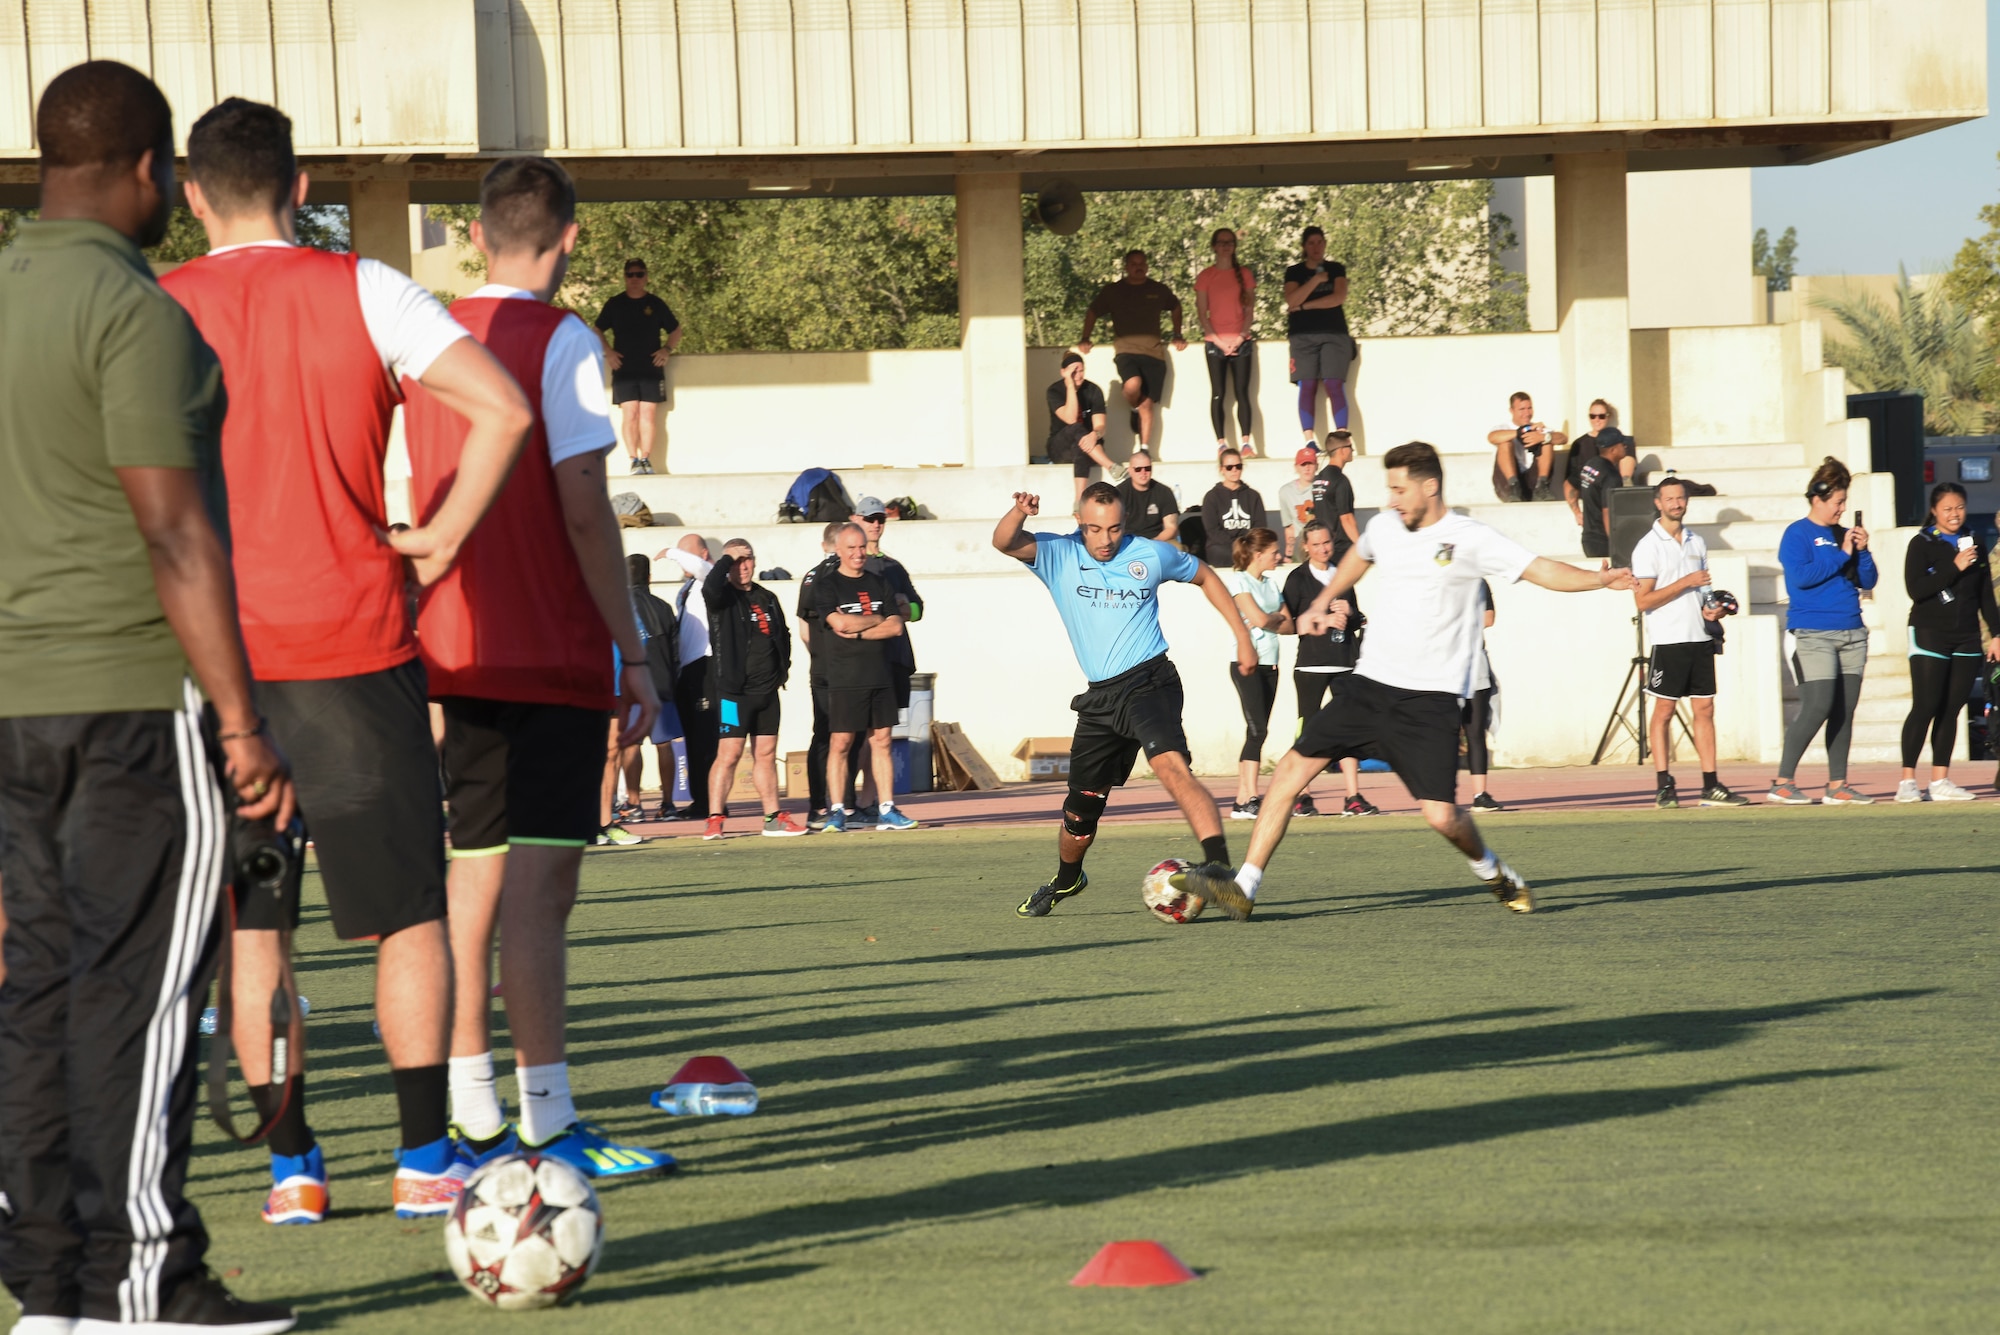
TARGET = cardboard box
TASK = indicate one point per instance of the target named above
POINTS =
(796, 782)
(1044, 757)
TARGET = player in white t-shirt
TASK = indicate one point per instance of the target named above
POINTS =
(1670, 567)
(1420, 660)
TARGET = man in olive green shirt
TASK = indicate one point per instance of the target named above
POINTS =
(114, 585)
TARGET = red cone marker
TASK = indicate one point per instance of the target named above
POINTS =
(709, 1070)
(1132, 1265)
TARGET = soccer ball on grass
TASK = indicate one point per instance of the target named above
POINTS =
(526, 1232)
(1166, 894)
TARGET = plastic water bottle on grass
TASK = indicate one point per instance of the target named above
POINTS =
(708, 1087)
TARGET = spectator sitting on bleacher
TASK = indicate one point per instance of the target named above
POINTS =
(1603, 430)
(1134, 305)
(1152, 510)
(1231, 509)
(1525, 453)
(1076, 425)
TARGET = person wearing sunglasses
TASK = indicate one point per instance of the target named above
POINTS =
(1603, 431)
(1231, 509)
(1152, 510)
(640, 332)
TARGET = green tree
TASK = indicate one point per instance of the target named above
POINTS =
(321, 225)
(1778, 264)
(1929, 345)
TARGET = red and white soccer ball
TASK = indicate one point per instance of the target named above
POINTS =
(1166, 893)
(526, 1232)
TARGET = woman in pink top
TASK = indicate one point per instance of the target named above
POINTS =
(1223, 295)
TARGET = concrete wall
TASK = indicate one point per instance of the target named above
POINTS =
(905, 408)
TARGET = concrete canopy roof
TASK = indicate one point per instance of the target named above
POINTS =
(694, 98)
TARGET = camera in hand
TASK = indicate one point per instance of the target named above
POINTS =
(264, 859)
(1712, 598)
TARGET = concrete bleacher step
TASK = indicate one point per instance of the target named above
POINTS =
(1693, 460)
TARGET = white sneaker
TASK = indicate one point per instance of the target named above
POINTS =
(1944, 790)
(45, 1325)
(1907, 791)
(1116, 474)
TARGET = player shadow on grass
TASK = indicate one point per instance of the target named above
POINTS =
(1681, 890)
(1095, 1075)
(788, 1230)
(324, 1311)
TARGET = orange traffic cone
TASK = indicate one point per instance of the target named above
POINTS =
(1133, 1265)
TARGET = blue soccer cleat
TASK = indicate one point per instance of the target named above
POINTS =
(586, 1149)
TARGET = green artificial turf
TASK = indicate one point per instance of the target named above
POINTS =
(1737, 1074)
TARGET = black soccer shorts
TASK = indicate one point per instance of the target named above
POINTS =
(860, 710)
(1682, 672)
(748, 715)
(366, 771)
(1416, 732)
(1117, 718)
(522, 773)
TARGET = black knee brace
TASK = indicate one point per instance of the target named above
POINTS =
(1081, 811)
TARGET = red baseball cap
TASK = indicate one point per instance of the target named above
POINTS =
(1306, 455)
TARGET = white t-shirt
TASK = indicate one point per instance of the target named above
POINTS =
(1425, 607)
(576, 411)
(1269, 598)
(1661, 559)
(1522, 456)
(693, 610)
(409, 327)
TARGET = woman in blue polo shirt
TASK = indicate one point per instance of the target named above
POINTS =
(1826, 567)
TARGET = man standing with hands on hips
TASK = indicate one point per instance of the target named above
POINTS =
(1670, 567)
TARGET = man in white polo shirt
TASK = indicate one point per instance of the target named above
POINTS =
(1671, 566)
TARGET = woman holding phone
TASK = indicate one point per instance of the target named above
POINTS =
(1826, 567)
(1945, 573)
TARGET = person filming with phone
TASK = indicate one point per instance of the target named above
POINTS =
(1946, 575)
(1826, 567)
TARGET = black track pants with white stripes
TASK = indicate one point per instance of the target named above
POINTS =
(111, 843)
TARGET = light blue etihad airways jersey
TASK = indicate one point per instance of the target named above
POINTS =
(1110, 608)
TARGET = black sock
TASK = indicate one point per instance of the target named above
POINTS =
(290, 1137)
(420, 1103)
(1215, 849)
(1067, 874)
(1665, 777)
(1708, 780)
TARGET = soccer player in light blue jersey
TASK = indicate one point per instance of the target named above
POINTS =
(1105, 583)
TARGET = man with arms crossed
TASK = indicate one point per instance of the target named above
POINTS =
(1418, 662)
(1670, 565)
(640, 333)
(517, 639)
(1105, 584)
(313, 346)
(752, 660)
(114, 585)
(857, 618)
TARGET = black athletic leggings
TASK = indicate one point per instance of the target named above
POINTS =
(1941, 676)
(1222, 368)
(1258, 692)
(1476, 716)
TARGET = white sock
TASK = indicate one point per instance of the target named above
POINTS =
(546, 1108)
(1249, 878)
(887, 805)
(1486, 865)
(475, 1105)
(837, 807)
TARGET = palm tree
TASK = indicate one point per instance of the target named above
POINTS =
(1929, 345)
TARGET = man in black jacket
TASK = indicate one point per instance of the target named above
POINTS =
(750, 653)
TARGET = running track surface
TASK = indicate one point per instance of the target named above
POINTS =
(1568, 789)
